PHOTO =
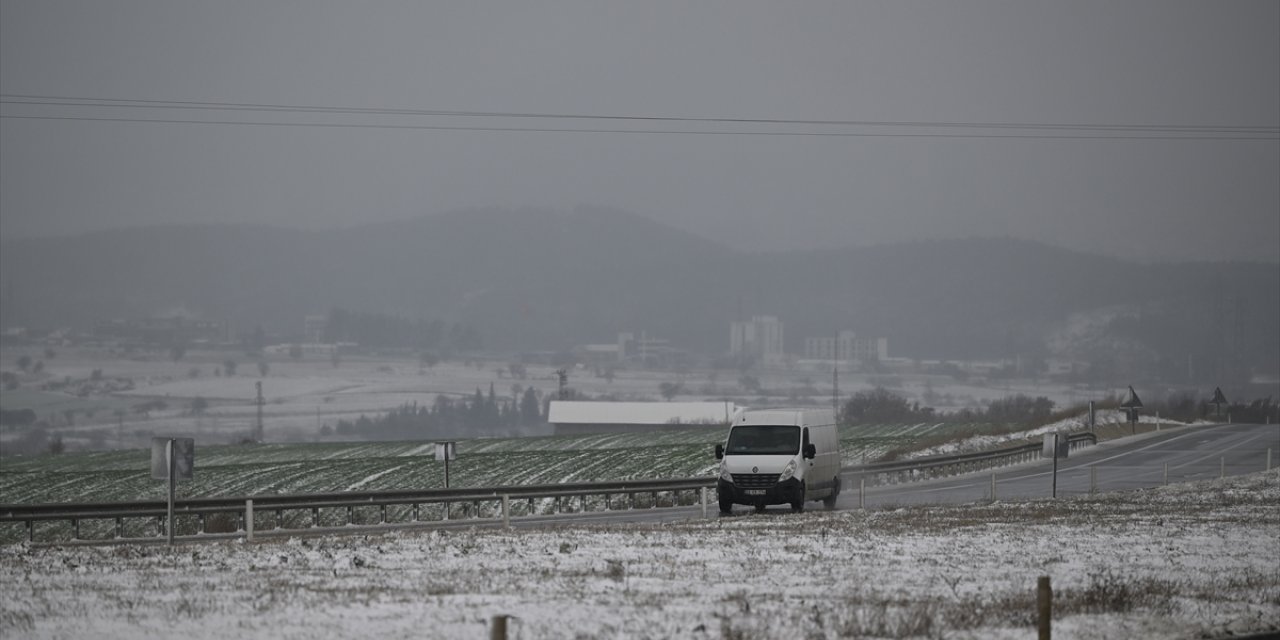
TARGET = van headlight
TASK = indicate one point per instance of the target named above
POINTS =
(788, 471)
(724, 473)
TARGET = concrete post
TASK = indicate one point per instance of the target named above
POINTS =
(506, 511)
(862, 493)
(248, 520)
(1268, 458)
(1166, 473)
(1044, 606)
(1093, 479)
(704, 489)
(498, 629)
(1222, 467)
(993, 487)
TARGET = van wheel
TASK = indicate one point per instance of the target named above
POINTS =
(829, 502)
(759, 508)
(726, 506)
(798, 505)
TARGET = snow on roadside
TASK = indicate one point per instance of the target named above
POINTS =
(1178, 561)
(1068, 425)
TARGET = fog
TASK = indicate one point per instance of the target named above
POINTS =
(1178, 160)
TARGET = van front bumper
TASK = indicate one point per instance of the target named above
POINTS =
(784, 492)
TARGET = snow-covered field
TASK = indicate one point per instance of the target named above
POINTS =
(305, 394)
(1179, 561)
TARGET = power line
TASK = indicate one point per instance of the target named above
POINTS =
(1028, 130)
(245, 106)
(820, 134)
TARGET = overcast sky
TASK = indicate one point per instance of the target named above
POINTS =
(1138, 68)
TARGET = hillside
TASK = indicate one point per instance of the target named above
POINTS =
(536, 279)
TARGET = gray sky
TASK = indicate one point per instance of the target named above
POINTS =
(1137, 63)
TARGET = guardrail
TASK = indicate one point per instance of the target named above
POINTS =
(208, 517)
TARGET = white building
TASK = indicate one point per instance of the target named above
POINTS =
(759, 338)
(846, 347)
(570, 417)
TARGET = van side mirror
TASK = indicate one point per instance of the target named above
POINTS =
(810, 451)
(719, 452)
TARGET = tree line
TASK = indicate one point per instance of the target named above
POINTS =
(477, 415)
(388, 331)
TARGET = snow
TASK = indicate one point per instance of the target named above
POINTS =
(1068, 425)
(1174, 562)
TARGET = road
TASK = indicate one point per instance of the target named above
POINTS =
(1191, 453)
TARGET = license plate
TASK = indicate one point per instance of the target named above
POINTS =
(754, 492)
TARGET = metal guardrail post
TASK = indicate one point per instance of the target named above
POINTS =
(993, 487)
(704, 489)
(1093, 479)
(862, 493)
(248, 520)
(506, 511)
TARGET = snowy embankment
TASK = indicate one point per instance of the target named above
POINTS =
(987, 442)
(1178, 561)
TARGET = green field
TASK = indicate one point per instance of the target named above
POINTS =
(230, 470)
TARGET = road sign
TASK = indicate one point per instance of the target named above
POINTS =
(1131, 400)
(1218, 397)
(184, 458)
(445, 451)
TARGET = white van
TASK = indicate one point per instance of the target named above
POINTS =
(780, 456)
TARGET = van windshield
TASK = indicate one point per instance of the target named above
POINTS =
(762, 439)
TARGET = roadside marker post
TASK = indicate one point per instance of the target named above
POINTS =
(248, 520)
(1093, 479)
(1044, 606)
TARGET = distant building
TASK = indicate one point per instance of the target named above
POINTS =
(759, 338)
(847, 347)
(163, 331)
(314, 328)
(646, 351)
(568, 417)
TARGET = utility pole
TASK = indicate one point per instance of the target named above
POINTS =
(258, 436)
(835, 378)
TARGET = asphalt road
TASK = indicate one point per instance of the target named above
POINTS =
(1190, 453)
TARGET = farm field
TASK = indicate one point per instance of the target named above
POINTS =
(234, 470)
(1179, 561)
